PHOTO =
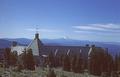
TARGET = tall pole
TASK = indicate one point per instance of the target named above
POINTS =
(36, 28)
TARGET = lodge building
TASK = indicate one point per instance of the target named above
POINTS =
(41, 51)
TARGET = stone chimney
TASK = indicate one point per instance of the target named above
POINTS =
(14, 43)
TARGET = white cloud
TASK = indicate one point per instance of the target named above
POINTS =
(44, 30)
(98, 27)
(107, 26)
(88, 28)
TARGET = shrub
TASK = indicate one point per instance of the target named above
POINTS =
(63, 76)
(51, 73)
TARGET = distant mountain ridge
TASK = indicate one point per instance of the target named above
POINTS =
(24, 41)
(5, 43)
(113, 47)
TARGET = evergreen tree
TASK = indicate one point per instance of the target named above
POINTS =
(79, 64)
(100, 61)
(116, 63)
(110, 64)
(10, 57)
(30, 60)
(73, 61)
(61, 59)
(50, 60)
(13, 58)
(66, 63)
(24, 59)
(7, 55)
(56, 61)
(91, 61)
(51, 73)
(119, 62)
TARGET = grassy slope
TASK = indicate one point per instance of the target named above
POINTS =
(40, 73)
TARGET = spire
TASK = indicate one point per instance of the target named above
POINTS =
(35, 44)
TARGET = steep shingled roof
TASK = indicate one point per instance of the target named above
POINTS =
(35, 45)
(65, 50)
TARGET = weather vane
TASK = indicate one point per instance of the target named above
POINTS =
(36, 28)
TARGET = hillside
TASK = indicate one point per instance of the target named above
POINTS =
(5, 43)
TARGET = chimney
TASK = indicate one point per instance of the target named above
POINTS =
(87, 45)
(93, 46)
(14, 43)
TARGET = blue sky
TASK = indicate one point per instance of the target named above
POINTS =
(96, 20)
